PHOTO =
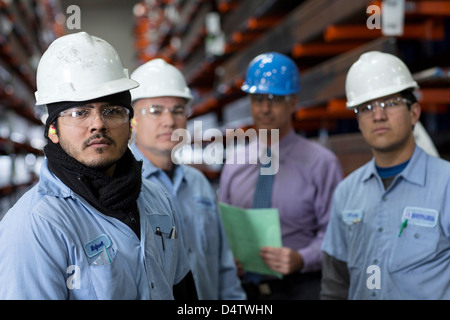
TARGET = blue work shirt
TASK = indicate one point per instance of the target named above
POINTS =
(210, 256)
(55, 245)
(386, 257)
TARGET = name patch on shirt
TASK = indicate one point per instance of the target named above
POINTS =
(352, 216)
(204, 203)
(96, 246)
(420, 216)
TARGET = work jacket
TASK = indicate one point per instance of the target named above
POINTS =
(55, 245)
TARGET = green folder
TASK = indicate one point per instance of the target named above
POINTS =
(247, 231)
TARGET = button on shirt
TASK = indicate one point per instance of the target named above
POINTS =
(387, 258)
(302, 191)
(55, 245)
(209, 253)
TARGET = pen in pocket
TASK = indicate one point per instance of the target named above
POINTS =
(159, 233)
(403, 226)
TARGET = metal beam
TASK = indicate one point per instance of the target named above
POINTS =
(302, 25)
(327, 80)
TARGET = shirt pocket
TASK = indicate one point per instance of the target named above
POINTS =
(354, 224)
(414, 246)
(208, 233)
(206, 224)
(357, 246)
(165, 237)
(110, 279)
(417, 239)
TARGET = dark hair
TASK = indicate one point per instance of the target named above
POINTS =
(408, 94)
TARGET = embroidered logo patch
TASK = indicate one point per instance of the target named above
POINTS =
(204, 202)
(352, 216)
(421, 216)
(97, 245)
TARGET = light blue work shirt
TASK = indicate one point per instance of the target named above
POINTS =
(210, 256)
(384, 259)
(55, 245)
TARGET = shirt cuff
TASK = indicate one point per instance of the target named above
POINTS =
(312, 259)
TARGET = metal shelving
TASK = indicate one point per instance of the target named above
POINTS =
(27, 27)
(324, 38)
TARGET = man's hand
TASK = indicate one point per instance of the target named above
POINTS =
(283, 260)
(240, 269)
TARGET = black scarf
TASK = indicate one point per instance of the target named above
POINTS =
(114, 196)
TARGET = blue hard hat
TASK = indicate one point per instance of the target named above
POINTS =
(272, 73)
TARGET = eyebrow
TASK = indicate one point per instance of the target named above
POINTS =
(161, 106)
(90, 105)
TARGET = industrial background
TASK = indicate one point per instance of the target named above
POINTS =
(212, 42)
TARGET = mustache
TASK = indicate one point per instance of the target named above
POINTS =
(98, 136)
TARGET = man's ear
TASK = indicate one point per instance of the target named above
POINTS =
(415, 113)
(52, 134)
(294, 101)
(133, 125)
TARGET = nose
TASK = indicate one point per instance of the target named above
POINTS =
(266, 105)
(97, 122)
(167, 117)
(379, 113)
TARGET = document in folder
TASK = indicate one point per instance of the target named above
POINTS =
(247, 231)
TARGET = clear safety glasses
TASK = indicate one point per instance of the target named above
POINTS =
(390, 105)
(83, 116)
(258, 99)
(155, 111)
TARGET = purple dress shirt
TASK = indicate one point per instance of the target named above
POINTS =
(303, 188)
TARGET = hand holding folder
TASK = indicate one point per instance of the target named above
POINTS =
(248, 230)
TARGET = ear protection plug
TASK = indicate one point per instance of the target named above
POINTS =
(133, 122)
(52, 130)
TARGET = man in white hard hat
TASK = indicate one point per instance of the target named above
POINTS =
(389, 230)
(161, 104)
(91, 228)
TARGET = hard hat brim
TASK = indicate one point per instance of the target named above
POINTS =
(105, 89)
(351, 104)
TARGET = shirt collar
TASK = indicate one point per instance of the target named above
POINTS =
(49, 184)
(286, 144)
(278, 151)
(149, 169)
(287, 140)
(414, 171)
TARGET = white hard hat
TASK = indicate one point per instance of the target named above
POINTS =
(80, 67)
(157, 78)
(375, 75)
